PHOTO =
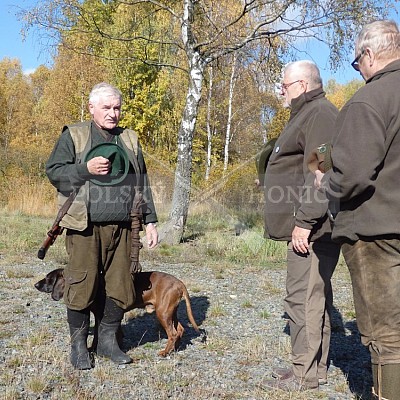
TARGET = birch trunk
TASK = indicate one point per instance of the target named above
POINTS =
(209, 130)
(229, 120)
(172, 231)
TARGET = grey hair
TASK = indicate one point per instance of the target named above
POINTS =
(104, 89)
(305, 70)
(382, 37)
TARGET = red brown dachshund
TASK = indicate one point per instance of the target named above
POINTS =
(155, 291)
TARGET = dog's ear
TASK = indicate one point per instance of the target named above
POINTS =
(59, 283)
(52, 278)
(58, 288)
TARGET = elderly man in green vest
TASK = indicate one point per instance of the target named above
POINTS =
(104, 164)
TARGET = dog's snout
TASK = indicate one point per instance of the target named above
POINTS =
(42, 286)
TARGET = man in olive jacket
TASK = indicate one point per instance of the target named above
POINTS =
(295, 212)
(364, 186)
(104, 164)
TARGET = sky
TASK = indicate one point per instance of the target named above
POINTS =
(32, 53)
(12, 45)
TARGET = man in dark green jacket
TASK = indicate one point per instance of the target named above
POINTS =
(104, 164)
(364, 186)
(295, 212)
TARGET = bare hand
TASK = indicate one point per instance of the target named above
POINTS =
(300, 239)
(318, 178)
(99, 166)
(151, 235)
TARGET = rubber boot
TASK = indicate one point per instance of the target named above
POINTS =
(107, 345)
(387, 380)
(79, 329)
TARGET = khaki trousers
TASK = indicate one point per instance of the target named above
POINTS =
(308, 304)
(99, 259)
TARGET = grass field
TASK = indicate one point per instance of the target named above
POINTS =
(206, 236)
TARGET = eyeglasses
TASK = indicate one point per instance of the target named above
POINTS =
(285, 86)
(355, 64)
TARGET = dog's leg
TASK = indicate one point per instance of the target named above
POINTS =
(167, 321)
(178, 329)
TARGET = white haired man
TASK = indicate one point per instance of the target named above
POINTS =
(295, 212)
(363, 186)
(105, 165)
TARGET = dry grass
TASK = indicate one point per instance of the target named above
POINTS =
(216, 310)
(271, 288)
(30, 197)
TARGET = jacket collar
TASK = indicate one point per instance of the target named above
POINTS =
(391, 67)
(298, 102)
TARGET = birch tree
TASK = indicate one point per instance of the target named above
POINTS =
(208, 120)
(202, 31)
(228, 137)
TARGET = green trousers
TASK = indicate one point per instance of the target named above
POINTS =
(374, 267)
(308, 304)
(99, 259)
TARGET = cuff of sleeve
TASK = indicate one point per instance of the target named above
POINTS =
(82, 170)
(79, 175)
(303, 224)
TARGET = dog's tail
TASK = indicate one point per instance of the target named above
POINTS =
(189, 308)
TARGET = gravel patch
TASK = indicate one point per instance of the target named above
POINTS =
(243, 336)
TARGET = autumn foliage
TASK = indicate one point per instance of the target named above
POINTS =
(104, 41)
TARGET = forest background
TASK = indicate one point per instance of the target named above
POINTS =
(200, 81)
